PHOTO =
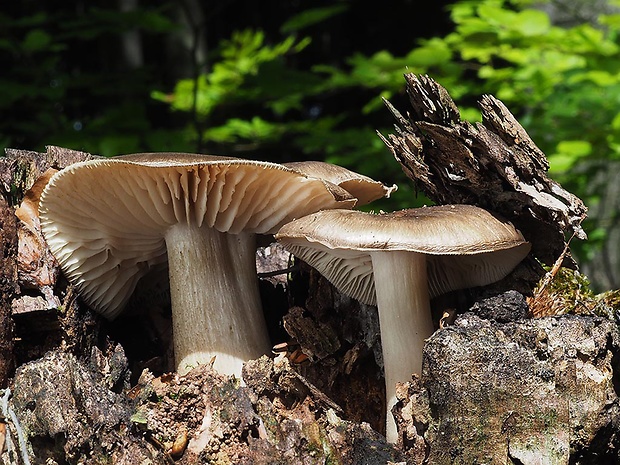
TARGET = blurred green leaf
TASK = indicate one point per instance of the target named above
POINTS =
(36, 40)
(237, 130)
(531, 23)
(568, 152)
(311, 17)
(430, 53)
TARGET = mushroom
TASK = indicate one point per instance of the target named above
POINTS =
(363, 188)
(399, 261)
(110, 221)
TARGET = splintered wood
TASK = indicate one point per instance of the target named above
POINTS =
(493, 164)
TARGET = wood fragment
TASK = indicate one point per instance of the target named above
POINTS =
(493, 164)
(36, 267)
(8, 287)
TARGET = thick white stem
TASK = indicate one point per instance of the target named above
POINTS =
(216, 308)
(405, 319)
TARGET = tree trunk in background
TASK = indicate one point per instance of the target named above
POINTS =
(186, 50)
(604, 267)
(131, 40)
(570, 13)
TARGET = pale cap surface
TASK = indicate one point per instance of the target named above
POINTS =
(363, 188)
(465, 246)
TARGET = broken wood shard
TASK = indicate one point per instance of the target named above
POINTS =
(493, 164)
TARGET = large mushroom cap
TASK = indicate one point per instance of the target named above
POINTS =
(105, 219)
(363, 188)
(465, 246)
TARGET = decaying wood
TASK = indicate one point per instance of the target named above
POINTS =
(8, 287)
(42, 309)
(493, 164)
(94, 392)
(528, 391)
(201, 418)
(19, 169)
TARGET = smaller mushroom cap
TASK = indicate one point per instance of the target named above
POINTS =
(465, 246)
(363, 188)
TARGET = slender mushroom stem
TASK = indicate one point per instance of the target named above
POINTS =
(216, 307)
(405, 319)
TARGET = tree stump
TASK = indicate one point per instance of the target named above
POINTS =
(493, 164)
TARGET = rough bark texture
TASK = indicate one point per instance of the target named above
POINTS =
(8, 286)
(28, 272)
(493, 164)
(44, 309)
(19, 169)
(527, 392)
(72, 415)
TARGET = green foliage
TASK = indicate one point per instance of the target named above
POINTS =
(283, 97)
(562, 83)
(237, 129)
(240, 57)
(47, 99)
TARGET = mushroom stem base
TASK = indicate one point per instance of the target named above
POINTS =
(405, 319)
(216, 307)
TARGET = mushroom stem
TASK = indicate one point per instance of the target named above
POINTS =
(216, 307)
(405, 319)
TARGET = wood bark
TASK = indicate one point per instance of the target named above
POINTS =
(493, 164)
(30, 291)
(8, 287)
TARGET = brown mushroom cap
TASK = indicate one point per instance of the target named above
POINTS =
(361, 187)
(465, 246)
(105, 219)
